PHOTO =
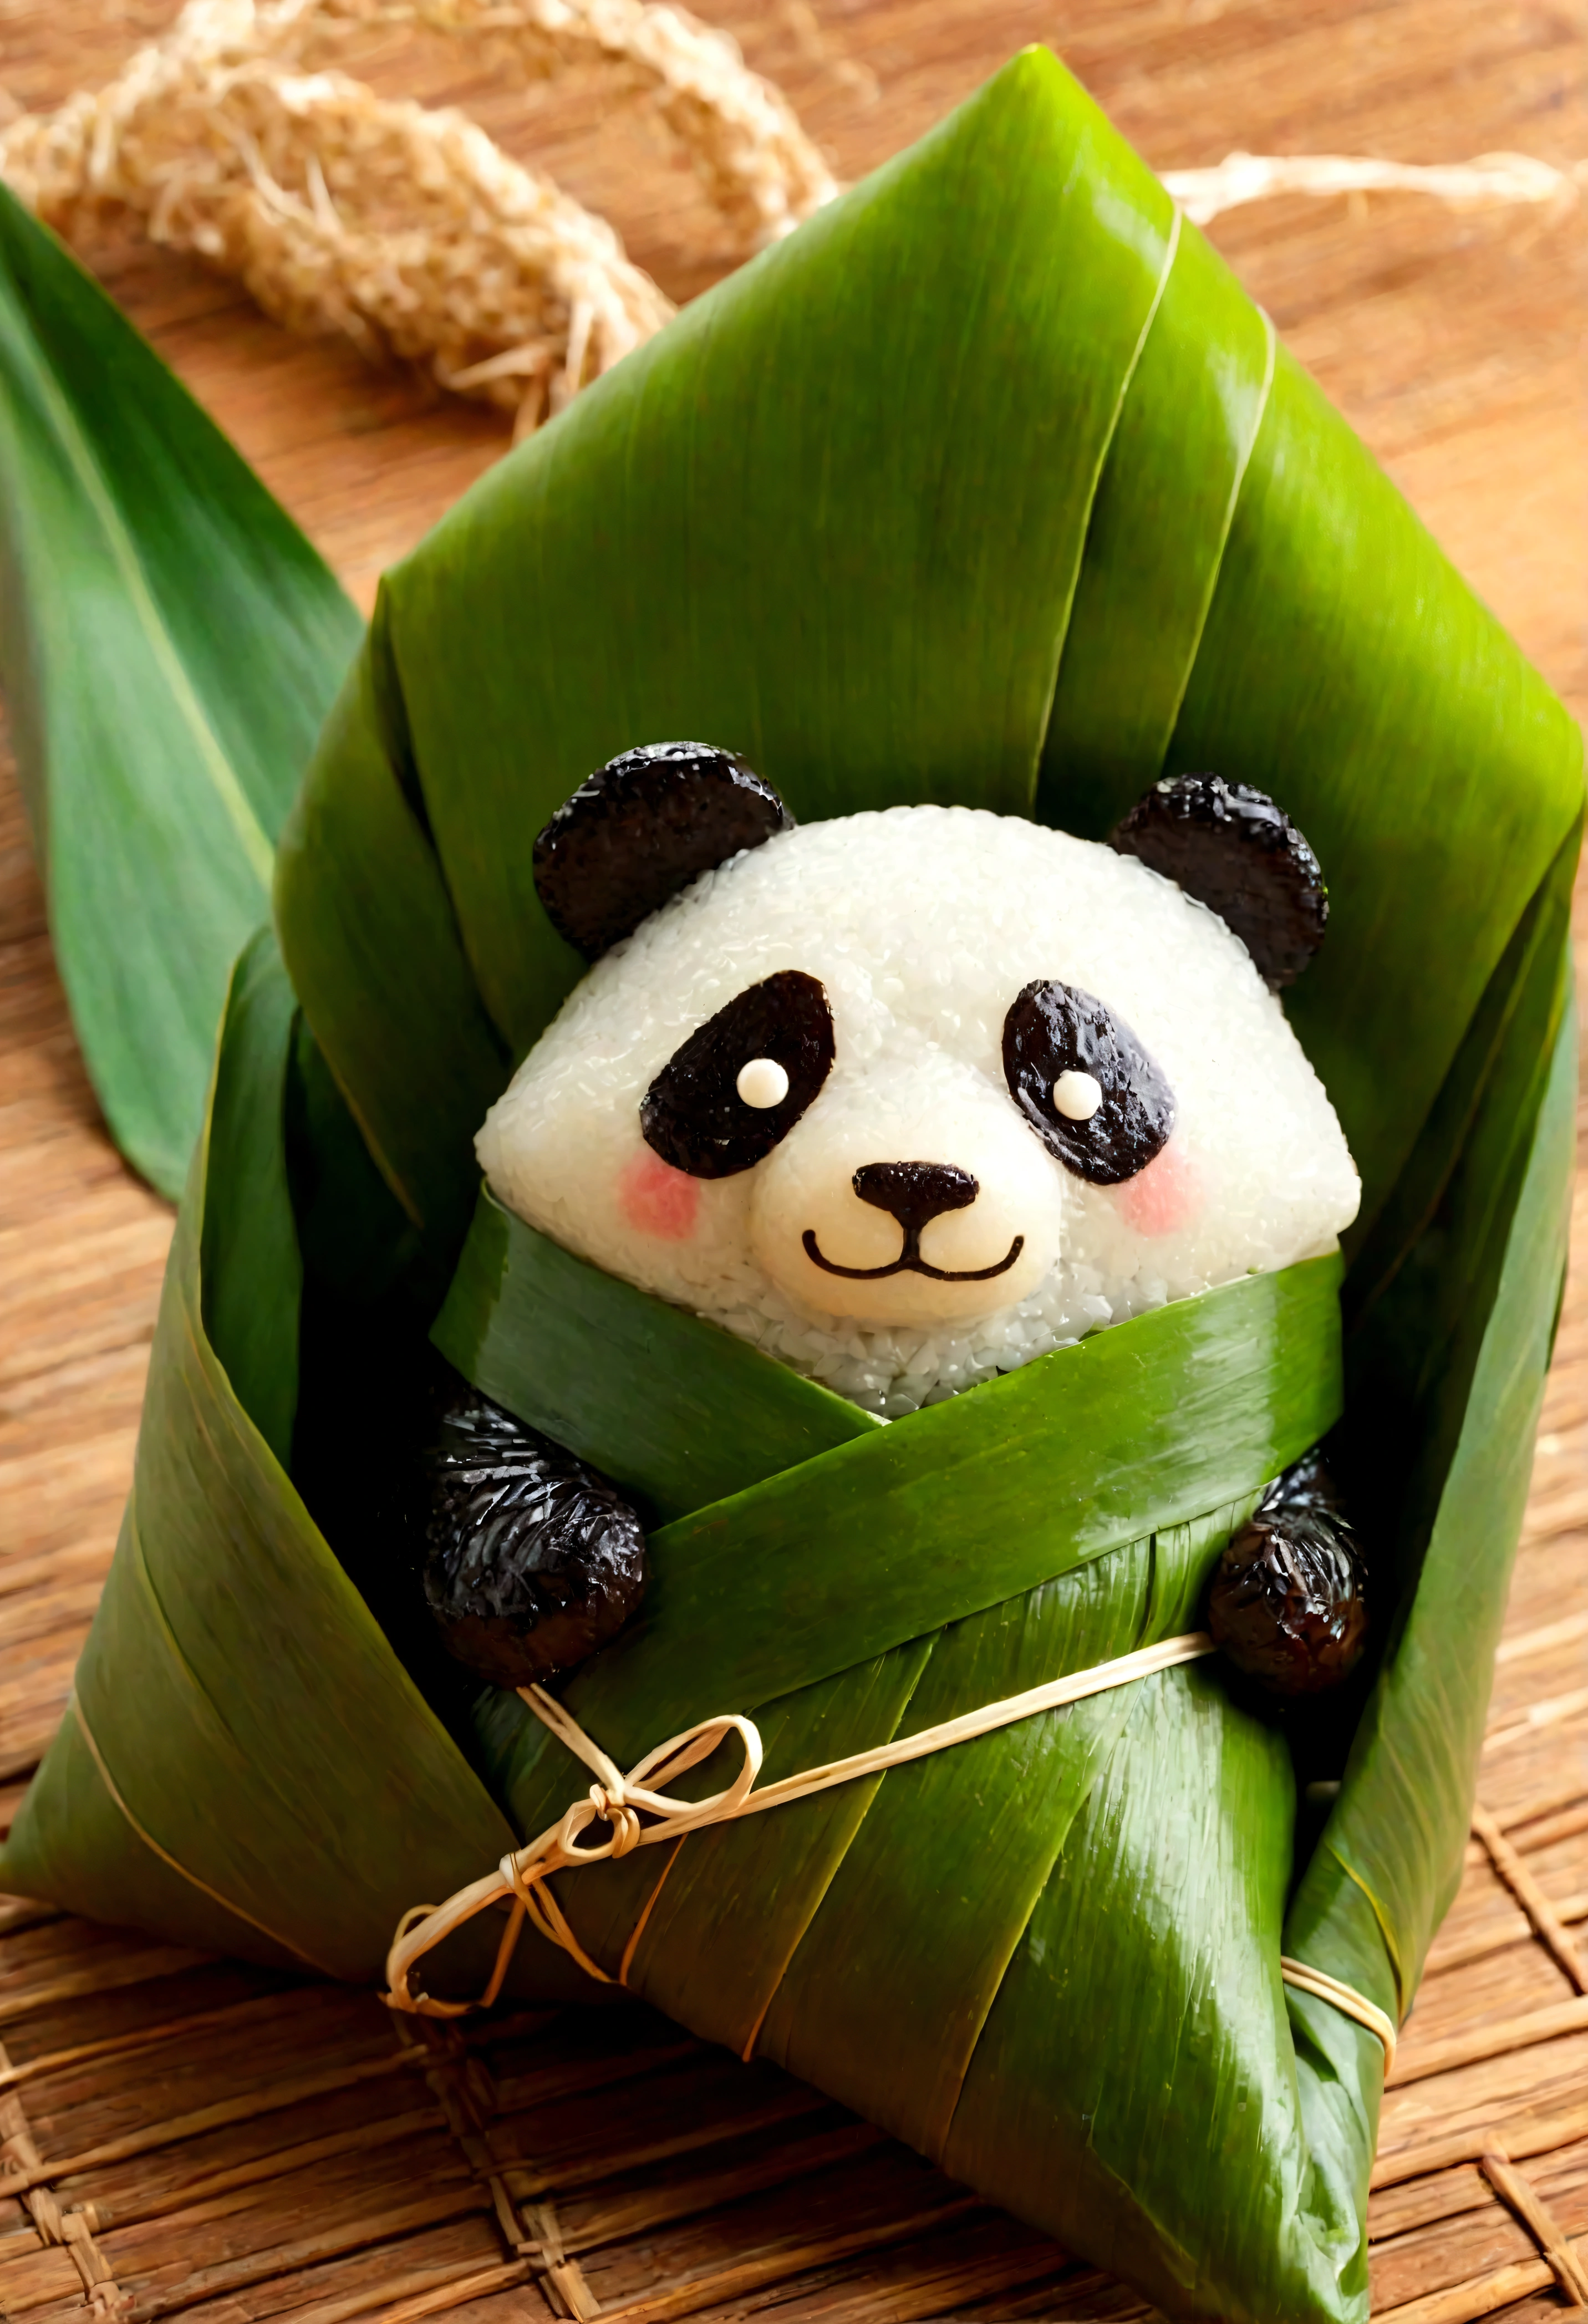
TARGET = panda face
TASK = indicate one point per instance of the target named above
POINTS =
(911, 1194)
(909, 1098)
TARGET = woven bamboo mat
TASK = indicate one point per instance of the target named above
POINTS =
(189, 2137)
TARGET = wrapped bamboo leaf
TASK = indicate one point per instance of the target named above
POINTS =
(648, 568)
(989, 487)
(124, 1825)
(169, 646)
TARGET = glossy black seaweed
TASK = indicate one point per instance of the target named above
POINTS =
(692, 1114)
(1232, 849)
(533, 1560)
(640, 828)
(1286, 1605)
(1054, 1029)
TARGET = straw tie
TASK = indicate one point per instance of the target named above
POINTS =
(1346, 1999)
(623, 1803)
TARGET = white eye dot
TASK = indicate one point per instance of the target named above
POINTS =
(762, 1083)
(1076, 1096)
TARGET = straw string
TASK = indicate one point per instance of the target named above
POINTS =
(1491, 180)
(522, 1879)
(1344, 1998)
(237, 136)
(638, 1812)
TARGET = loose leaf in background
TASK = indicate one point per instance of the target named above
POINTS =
(170, 644)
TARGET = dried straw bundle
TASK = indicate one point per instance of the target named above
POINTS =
(756, 164)
(408, 230)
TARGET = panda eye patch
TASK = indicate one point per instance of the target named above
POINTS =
(737, 1086)
(1083, 1082)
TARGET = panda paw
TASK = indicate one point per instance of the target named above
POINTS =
(531, 1559)
(1286, 1605)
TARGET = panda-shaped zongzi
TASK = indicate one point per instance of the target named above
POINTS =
(906, 1099)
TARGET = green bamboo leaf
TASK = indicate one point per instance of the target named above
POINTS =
(1345, 666)
(169, 646)
(273, 1785)
(1135, 2084)
(1389, 1859)
(723, 1922)
(358, 885)
(907, 1954)
(1152, 1422)
(961, 333)
(564, 1346)
(1136, 626)
(1486, 1281)
(914, 465)
(250, 1266)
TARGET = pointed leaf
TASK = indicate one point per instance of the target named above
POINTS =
(169, 646)
(271, 1782)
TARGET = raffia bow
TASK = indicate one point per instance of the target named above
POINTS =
(614, 1799)
(621, 1803)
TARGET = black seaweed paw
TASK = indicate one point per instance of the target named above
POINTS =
(533, 1560)
(1286, 1605)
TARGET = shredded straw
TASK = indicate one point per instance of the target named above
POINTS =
(407, 229)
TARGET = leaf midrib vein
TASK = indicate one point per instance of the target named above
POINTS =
(255, 842)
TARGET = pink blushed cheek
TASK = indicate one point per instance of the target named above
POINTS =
(1165, 1196)
(657, 1199)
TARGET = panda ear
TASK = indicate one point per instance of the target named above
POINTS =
(639, 829)
(1232, 849)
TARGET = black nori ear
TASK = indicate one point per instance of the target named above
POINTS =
(1232, 849)
(642, 827)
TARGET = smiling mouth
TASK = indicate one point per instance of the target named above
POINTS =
(910, 1262)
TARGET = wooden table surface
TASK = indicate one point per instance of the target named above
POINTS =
(1452, 340)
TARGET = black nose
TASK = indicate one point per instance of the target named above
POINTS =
(915, 1192)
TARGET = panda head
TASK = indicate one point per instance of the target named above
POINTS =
(909, 1098)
